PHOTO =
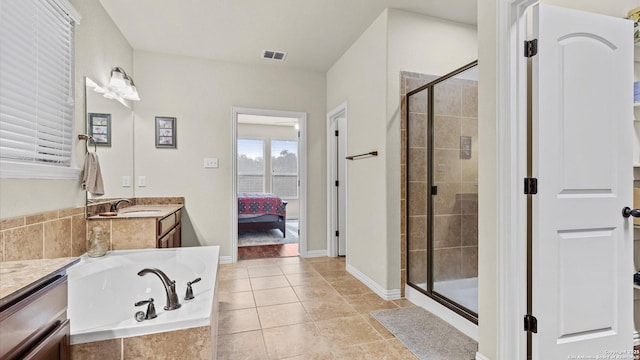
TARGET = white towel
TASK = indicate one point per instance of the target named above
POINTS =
(92, 177)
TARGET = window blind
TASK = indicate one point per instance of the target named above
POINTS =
(36, 82)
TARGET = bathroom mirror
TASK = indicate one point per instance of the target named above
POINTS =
(111, 123)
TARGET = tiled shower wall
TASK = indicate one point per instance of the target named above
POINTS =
(417, 208)
(455, 207)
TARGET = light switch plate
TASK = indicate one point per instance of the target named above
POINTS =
(210, 162)
(126, 181)
(142, 181)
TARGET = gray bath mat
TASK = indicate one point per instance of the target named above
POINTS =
(426, 335)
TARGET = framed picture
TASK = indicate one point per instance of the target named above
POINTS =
(100, 128)
(165, 132)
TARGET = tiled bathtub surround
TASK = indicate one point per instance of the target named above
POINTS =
(48, 235)
(63, 233)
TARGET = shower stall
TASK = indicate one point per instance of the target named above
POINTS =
(442, 190)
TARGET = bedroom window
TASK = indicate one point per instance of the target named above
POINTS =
(36, 89)
(251, 165)
(284, 168)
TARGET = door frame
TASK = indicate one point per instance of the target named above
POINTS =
(511, 163)
(302, 172)
(332, 245)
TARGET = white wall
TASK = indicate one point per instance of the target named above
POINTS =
(359, 77)
(200, 94)
(487, 182)
(99, 46)
(367, 76)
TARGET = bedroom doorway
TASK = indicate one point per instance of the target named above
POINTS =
(269, 183)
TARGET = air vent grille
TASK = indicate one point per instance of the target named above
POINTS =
(274, 55)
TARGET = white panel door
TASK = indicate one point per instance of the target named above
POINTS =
(582, 156)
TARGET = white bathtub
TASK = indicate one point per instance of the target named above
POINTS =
(102, 292)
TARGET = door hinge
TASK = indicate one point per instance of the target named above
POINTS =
(530, 186)
(530, 48)
(298, 232)
(337, 233)
(298, 183)
(298, 133)
(434, 190)
(337, 183)
(336, 132)
(530, 324)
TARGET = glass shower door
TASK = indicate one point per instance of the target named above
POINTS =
(455, 196)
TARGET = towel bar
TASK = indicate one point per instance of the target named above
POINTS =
(355, 157)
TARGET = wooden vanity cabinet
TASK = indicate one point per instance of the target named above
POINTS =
(169, 230)
(34, 325)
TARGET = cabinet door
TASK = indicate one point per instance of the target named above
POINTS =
(55, 346)
(177, 236)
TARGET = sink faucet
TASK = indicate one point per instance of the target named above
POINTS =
(114, 205)
(169, 287)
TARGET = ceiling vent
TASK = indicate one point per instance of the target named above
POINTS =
(274, 55)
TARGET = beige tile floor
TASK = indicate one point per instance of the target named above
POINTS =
(293, 308)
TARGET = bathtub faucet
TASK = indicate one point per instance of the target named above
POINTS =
(169, 287)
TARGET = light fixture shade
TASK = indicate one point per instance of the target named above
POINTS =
(132, 93)
(117, 78)
(121, 86)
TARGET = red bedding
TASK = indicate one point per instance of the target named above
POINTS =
(260, 204)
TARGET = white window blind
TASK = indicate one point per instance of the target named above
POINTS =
(251, 165)
(36, 84)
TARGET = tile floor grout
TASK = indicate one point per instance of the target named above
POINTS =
(364, 336)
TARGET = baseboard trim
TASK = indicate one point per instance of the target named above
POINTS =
(225, 260)
(316, 253)
(481, 357)
(463, 325)
(393, 294)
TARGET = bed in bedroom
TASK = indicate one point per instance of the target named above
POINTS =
(261, 211)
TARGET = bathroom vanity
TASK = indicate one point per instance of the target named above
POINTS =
(33, 309)
(142, 227)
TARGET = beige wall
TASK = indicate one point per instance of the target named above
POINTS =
(200, 94)
(359, 78)
(488, 227)
(367, 76)
(99, 46)
(267, 133)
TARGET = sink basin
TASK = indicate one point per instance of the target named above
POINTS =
(138, 212)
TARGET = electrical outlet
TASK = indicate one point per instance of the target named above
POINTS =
(126, 181)
(211, 162)
(142, 181)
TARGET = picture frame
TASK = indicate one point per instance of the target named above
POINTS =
(166, 132)
(100, 128)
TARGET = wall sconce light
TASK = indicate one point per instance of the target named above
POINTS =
(122, 85)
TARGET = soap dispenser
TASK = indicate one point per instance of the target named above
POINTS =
(97, 244)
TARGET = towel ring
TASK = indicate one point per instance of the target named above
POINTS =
(89, 139)
(95, 145)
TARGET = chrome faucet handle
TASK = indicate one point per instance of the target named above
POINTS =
(151, 309)
(189, 294)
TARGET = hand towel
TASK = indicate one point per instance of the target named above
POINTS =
(92, 177)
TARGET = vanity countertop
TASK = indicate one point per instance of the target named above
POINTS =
(17, 277)
(142, 211)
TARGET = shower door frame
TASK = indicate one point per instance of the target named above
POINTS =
(429, 291)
